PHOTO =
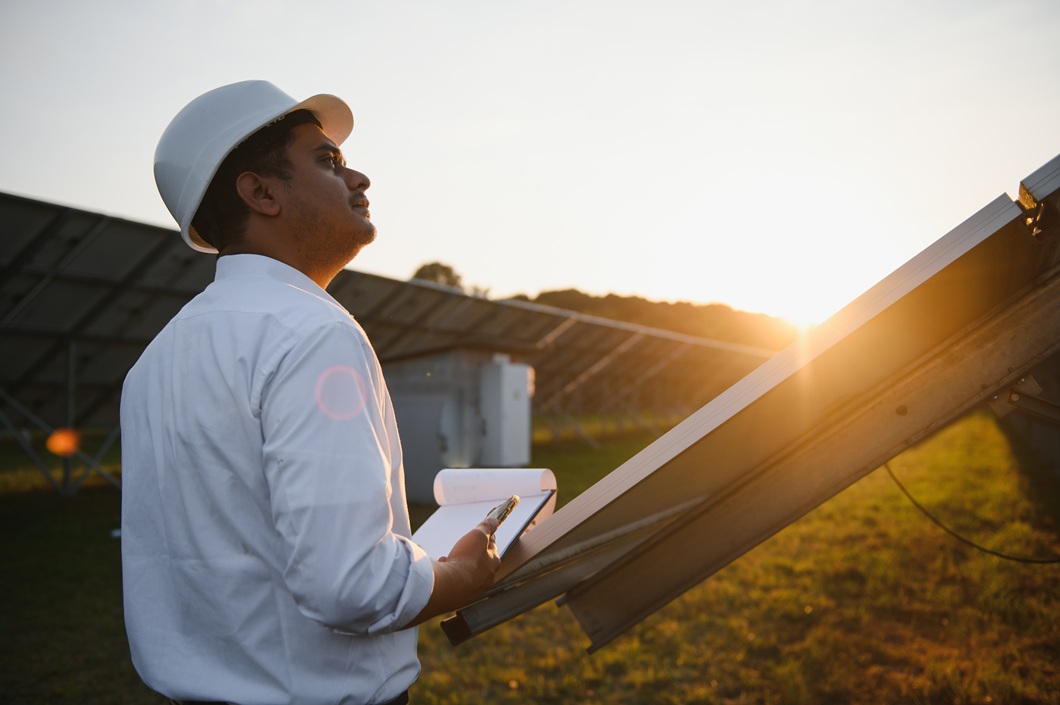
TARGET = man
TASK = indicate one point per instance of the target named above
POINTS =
(265, 534)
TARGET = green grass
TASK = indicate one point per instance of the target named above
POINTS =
(60, 601)
(861, 601)
(547, 429)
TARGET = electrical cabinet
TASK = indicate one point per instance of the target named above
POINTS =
(460, 409)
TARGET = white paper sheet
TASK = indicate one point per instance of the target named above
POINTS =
(466, 495)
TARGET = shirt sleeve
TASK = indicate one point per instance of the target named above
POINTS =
(330, 471)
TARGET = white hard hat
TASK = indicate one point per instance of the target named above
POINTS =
(211, 126)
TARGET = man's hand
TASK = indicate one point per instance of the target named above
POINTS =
(465, 573)
(476, 543)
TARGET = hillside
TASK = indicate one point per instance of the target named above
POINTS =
(716, 321)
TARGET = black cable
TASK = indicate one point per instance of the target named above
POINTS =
(957, 536)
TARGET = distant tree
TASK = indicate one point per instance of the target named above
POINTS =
(439, 274)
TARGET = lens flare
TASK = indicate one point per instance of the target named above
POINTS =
(341, 392)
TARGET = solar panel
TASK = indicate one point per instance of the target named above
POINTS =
(960, 322)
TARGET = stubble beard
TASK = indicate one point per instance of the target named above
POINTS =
(360, 243)
(327, 245)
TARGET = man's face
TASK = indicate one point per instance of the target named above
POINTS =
(326, 200)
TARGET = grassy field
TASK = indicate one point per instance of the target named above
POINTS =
(861, 601)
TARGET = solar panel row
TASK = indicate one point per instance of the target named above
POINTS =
(82, 293)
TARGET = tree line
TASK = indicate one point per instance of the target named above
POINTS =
(714, 320)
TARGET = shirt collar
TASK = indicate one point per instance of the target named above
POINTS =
(247, 266)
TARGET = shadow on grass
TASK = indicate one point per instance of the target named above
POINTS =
(1041, 473)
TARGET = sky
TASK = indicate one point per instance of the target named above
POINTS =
(776, 156)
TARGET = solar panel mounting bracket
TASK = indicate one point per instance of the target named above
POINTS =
(1025, 397)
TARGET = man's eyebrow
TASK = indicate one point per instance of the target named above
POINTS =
(330, 149)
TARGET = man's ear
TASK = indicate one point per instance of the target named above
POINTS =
(258, 193)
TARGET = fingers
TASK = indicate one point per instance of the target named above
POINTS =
(488, 526)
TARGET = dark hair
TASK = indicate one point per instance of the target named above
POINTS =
(222, 216)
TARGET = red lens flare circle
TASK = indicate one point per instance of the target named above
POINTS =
(341, 392)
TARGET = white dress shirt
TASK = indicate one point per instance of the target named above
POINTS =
(265, 548)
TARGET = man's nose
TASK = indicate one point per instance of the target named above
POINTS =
(356, 181)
